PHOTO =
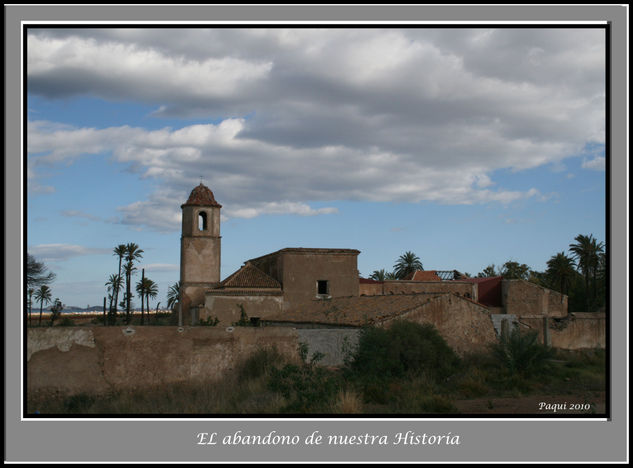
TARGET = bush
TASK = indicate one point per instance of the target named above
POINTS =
(405, 349)
(66, 322)
(521, 353)
(261, 362)
(306, 387)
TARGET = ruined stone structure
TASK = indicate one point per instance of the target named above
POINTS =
(320, 288)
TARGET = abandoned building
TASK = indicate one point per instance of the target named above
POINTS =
(320, 288)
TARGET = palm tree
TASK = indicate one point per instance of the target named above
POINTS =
(119, 251)
(406, 264)
(43, 296)
(140, 290)
(30, 304)
(560, 270)
(173, 295)
(151, 291)
(146, 288)
(114, 285)
(132, 253)
(378, 275)
(586, 252)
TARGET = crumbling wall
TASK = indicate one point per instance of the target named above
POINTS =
(100, 359)
(524, 298)
(227, 308)
(465, 325)
(335, 344)
(460, 288)
(575, 331)
(370, 289)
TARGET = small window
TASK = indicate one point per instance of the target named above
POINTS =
(323, 288)
(202, 221)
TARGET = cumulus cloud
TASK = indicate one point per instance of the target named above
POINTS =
(314, 115)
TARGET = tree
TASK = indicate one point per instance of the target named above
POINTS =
(515, 270)
(146, 288)
(132, 253)
(114, 285)
(119, 251)
(488, 272)
(43, 296)
(37, 273)
(56, 310)
(173, 295)
(30, 305)
(151, 291)
(586, 252)
(560, 272)
(378, 275)
(407, 263)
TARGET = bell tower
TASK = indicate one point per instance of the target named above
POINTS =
(199, 247)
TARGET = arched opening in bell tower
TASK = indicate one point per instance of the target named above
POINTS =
(202, 221)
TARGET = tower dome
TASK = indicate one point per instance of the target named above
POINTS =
(202, 196)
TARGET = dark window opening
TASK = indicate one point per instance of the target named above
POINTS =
(202, 221)
(322, 288)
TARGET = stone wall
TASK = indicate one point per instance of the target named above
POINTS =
(72, 360)
(227, 310)
(460, 288)
(333, 343)
(465, 325)
(576, 331)
(524, 298)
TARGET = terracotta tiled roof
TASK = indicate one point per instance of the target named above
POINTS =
(202, 195)
(249, 276)
(422, 275)
(354, 310)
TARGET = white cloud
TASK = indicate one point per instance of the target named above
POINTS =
(60, 252)
(313, 115)
(597, 164)
(156, 267)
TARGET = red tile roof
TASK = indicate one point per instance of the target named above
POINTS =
(202, 195)
(249, 276)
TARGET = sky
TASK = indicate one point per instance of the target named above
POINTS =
(468, 147)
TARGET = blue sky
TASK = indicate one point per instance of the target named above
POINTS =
(467, 147)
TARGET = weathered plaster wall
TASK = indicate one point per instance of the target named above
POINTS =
(333, 343)
(98, 359)
(370, 289)
(465, 289)
(576, 331)
(227, 308)
(302, 271)
(524, 298)
(464, 325)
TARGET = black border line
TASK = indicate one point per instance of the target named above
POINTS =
(327, 25)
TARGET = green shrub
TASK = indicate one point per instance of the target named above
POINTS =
(306, 387)
(261, 362)
(521, 353)
(405, 349)
(66, 322)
